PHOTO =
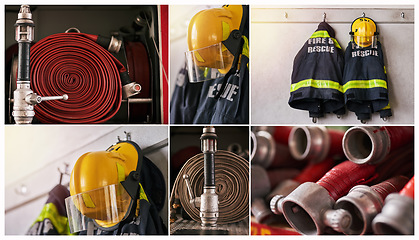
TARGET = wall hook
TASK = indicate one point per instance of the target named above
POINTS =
(324, 17)
(363, 14)
(65, 172)
(286, 15)
(402, 14)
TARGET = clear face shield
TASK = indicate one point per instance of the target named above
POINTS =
(105, 207)
(364, 41)
(209, 62)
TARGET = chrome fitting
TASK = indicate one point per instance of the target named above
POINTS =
(363, 204)
(114, 45)
(309, 143)
(397, 216)
(209, 207)
(208, 140)
(130, 89)
(309, 210)
(276, 204)
(24, 25)
(366, 144)
(23, 112)
(264, 149)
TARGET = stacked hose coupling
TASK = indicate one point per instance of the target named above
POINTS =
(24, 99)
(208, 201)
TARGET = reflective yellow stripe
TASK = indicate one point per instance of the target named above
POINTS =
(60, 222)
(142, 193)
(386, 107)
(365, 84)
(88, 200)
(226, 30)
(198, 57)
(325, 34)
(245, 51)
(142, 196)
(316, 84)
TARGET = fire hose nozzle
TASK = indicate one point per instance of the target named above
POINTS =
(24, 25)
(209, 198)
(309, 210)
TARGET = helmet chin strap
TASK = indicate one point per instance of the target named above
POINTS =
(234, 43)
(132, 186)
(238, 43)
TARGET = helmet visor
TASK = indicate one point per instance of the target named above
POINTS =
(365, 41)
(106, 206)
(209, 62)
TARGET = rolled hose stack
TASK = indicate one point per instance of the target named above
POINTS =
(76, 65)
(231, 181)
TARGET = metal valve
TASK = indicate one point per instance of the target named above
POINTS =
(24, 99)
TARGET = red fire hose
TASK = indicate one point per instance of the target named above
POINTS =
(340, 179)
(315, 171)
(409, 189)
(74, 64)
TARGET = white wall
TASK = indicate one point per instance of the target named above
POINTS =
(277, 34)
(34, 153)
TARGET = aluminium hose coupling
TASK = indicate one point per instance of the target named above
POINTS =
(309, 143)
(364, 203)
(397, 216)
(267, 153)
(309, 210)
(371, 144)
(209, 207)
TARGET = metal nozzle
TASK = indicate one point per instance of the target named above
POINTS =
(209, 199)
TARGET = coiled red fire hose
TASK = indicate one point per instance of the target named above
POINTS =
(340, 179)
(74, 64)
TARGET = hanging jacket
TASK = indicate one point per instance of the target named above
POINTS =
(53, 217)
(365, 81)
(316, 81)
(152, 196)
(185, 98)
(203, 103)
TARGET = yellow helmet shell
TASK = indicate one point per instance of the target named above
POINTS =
(364, 31)
(210, 27)
(96, 170)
